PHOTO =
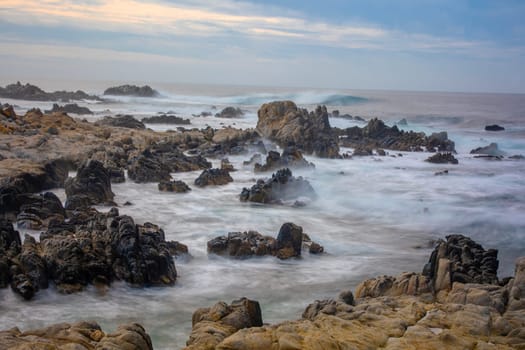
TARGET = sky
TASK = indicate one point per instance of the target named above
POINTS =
(429, 45)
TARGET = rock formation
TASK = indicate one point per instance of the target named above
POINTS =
(442, 158)
(213, 177)
(282, 186)
(494, 127)
(166, 119)
(291, 157)
(491, 150)
(131, 90)
(230, 112)
(288, 125)
(69, 108)
(123, 121)
(34, 93)
(173, 186)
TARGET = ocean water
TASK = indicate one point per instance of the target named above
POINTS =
(373, 215)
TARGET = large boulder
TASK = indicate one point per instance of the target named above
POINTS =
(131, 90)
(282, 186)
(91, 186)
(213, 177)
(287, 125)
(78, 336)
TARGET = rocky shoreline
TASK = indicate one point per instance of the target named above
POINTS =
(456, 302)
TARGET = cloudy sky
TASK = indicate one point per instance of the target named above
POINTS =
(444, 45)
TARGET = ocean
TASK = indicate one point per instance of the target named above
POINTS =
(373, 215)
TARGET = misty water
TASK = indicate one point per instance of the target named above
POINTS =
(373, 215)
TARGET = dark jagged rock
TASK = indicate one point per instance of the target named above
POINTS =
(91, 186)
(378, 135)
(39, 211)
(34, 93)
(166, 119)
(362, 152)
(156, 163)
(287, 125)
(174, 186)
(177, 249)
(116, 174)
(494, 127)
(21, 285)
(213, 177)
(226, 165)
(282, 186)
(288, 244)
(9, 238)
(442, 158)
(32, 265)
(460, 259)
(212, 325)
(291, 157)
(69, 108)
(123, 121)
(491, 150)
(131, 90)
(79, 336)
(230, 112)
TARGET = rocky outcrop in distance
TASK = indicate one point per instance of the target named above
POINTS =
(89, 248)
(282, 186)
(494, 127)
(289, 243)
(69, 108)
(287, 125)
(491, 150)
(30, 92)
(377, 135)
(132, 90)
(442, 158)
(166, 119)
(79, 336)
(230, 112)
(291, 157)
(122, 121)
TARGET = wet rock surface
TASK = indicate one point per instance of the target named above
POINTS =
(442, 158)
(289, 243)
(378, 135)
(174, 186)
(39, 211)
(91, 186)
(286, 124)
(282, 186)
(213, 177)
(79, 336)
(291, 157)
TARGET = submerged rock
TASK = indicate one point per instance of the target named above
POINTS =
(442, 158)
(287, 125)
(289, 243)
(214, 177)
(291, 157)
(494, 127)
(282, 186)
(131, 90)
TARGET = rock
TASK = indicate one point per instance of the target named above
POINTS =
(116, 174)
(131, 90)
(34, 93)
(177, 249)
(211, 325)
(402, 122)
(335, 113)
(32, 265)
(378, 135)
(288, 244)
(442, 158)
(362, 152)
(91, 186)
(407, 283)
(288, 125)
(174, 186)
(213, 177)
(233, 141)
(123, 121)
(166, 119)
(39, 211)
(156, 163)
(8, 111)
(9, 238)
(440, 173)
(69, 108)
(491, 150)
(290, 158)
(77, 336)
(282, 186)
(494, 127)
(230, 112)
(226, 165)
(459, 259)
